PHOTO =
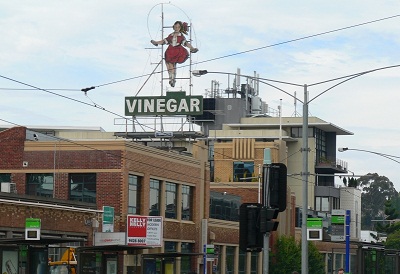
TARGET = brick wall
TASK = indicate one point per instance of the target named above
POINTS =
(112, 161)
(54, 220)
(12, 147)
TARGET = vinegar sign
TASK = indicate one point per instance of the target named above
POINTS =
(144, 231)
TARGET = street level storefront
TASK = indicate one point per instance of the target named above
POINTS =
(18, 255)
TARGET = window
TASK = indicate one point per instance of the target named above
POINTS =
(169, 246)
(187, 261)
(154, 198)
(134, 185)
(243, 171)
(335, 203)
(338, 261)
(297, 132)
(230, 259)
(82, 187)
(242, 262)
(40, 184)
(224, 206)
(5, 177)
(169, 263)
(211, 151)
(254, 262)
(299, 216)
(186, 203)
(322, 204)
(320, 145)
(170, 200)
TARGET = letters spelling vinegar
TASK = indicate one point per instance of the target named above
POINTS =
(174, 103)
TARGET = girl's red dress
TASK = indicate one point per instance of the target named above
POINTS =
(176, 53)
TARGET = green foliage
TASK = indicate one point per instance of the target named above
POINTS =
(287, 257)
(393, 239)
(316, 264)
(376, 191)
(391, 213)
(353, 182)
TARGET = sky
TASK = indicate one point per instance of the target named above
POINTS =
(50, 50)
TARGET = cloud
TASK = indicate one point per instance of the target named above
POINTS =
(75, 44)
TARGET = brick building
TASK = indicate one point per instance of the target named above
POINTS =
(71, 179)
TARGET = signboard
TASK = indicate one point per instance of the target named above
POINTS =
(174, 103)
(144, 230)
(109, 238)
(338, 225)
(314, 229)
(168, 134)
(209, 249)
(108, 219)
(314, 222)
(32, 228)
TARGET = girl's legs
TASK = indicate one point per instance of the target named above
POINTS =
(171, 71)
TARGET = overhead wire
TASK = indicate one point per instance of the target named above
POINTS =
(267, 46)
(209, 60)
(104, 109)
(79, 101)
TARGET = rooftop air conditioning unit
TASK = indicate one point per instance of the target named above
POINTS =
(8, 187)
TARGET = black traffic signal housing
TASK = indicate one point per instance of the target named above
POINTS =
(250, 236)
(267, 216)
(277, 185)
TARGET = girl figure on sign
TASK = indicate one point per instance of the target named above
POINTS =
(175, 53)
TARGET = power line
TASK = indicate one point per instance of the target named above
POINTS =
(104, 109)
(264, 47)
(59, 89)
(95, 105)
(209, 60)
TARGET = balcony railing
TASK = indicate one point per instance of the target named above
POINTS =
(331, 162)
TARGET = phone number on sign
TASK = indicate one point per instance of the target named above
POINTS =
(137, 241)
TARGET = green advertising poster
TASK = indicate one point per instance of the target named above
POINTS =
(108, 219)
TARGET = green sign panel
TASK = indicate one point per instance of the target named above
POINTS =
(32, 223)
(108, 215)
(174, 103)
(314, 222)
(209, 249)
(337, 219)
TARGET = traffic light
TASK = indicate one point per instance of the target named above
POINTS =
(266, 219)
(250, 236)
(277, 185)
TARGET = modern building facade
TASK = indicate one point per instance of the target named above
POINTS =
(237, 153)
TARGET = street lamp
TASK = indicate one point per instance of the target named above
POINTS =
(388, 156)
(305, 149)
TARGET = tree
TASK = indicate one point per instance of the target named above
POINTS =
(316, 264)
(396, 202)
(391, 213)
(287, 257)
(376, 190)
(393, 239)
(390, 228)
